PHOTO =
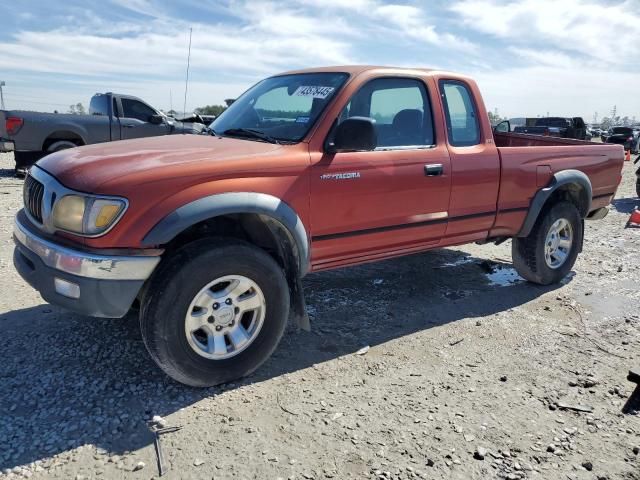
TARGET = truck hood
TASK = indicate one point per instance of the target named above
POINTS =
(108, 168)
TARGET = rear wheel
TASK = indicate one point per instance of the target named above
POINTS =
(214, 312)
(58, 145)
(549, 252)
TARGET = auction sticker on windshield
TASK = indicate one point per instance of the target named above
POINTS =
(313, 91)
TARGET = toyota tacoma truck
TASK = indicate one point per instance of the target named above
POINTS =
(208, 237)
(32, 135)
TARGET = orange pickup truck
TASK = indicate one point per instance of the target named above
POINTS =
(210, 236)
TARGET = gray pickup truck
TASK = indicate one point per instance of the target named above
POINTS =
(32, 135)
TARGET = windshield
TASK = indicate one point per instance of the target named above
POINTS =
(622, 131)
(283, 108)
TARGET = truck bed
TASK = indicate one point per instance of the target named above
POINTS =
(39, 125)
(514, 139)
(525, 170)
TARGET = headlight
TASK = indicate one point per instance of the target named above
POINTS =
(87, 215)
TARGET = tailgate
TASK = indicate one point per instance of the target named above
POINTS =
(5, 144)
(3, 130)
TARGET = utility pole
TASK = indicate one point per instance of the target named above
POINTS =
(2, 84)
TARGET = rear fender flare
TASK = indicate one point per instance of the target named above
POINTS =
(559, 180)
(229, 203)
(62, 131)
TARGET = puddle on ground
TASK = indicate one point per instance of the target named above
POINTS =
(503, 277)
(460, 261)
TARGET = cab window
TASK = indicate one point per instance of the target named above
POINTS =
(99, 105)
(400, 108)
(136, 109)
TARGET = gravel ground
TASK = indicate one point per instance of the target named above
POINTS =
(462, 379)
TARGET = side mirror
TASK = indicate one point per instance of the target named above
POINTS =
(156, 119)
(503, 127)
(355, 134)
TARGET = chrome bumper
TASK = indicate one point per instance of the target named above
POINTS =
(84, 264)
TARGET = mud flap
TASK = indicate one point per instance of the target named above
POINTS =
(298, 305)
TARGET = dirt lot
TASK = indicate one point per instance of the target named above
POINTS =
(465, 361)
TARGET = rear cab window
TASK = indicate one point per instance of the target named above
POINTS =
(463, 128)
(99, 105)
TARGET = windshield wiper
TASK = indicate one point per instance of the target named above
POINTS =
(251, 133)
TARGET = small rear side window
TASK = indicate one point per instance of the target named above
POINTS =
(463, 129)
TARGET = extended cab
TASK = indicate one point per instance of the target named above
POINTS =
(307, 171)
(32, 135)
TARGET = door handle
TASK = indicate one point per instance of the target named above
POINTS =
(433, 170)
(128, 125)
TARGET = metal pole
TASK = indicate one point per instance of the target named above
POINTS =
(2, 84)
(186, 83)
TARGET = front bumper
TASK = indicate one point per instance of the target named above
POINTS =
(6, 145)
(87, 283)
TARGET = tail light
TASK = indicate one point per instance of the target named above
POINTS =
(13, 125)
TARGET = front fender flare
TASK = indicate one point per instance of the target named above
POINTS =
(229, 203)
(560, 179)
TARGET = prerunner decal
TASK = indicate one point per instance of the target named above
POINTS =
(314, 92)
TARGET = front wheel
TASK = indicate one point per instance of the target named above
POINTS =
(214, 312)
(549, 252)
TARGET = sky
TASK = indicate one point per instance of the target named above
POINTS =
(530, 57)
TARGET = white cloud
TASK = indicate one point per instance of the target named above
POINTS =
(529, 54)
(588, 29)
(401, 21)
(536, 90)
(552, 58)
(413, 23)
(156, 50)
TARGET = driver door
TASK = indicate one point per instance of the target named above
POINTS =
(393, 198)
(134, 122)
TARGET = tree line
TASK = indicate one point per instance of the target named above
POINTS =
(214, 109)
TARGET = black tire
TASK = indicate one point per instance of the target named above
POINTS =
(58, 145)
(179, 278)
(638, 187)
(529, 252)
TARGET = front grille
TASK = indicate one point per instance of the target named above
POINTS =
(33, 193)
